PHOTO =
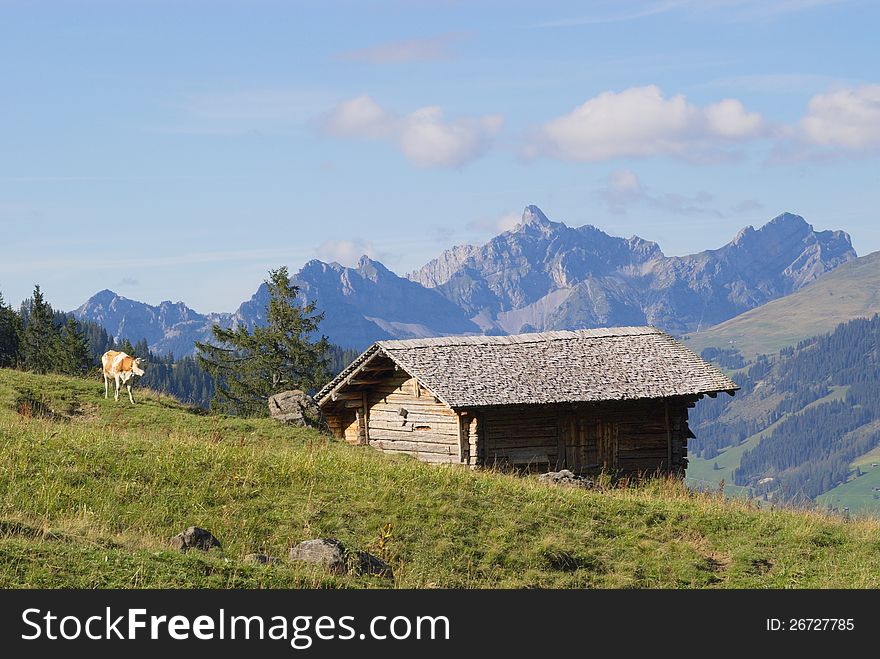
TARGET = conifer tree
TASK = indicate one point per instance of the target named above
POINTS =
(249, 366)
(40, 338)
(73, 356)
(126, 347)
(141, 349)
(10, 331)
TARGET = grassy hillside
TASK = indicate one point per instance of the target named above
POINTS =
(799, 420)
(701, 472)
(862, 492)
(92, 491)
(850, 291)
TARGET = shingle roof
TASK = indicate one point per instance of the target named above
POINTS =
(617, 363)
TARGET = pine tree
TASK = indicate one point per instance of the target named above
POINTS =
(98, 339)
(40, 338)
(248, 367)
(10, 331)
(73, 356)
(126, 347)
(141, 349)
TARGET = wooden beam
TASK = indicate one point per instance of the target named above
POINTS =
(462, 439)
(347, 395)
(366, 418)
(668, 438)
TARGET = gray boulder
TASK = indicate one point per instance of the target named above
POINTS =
(331, 554)
(565, 478)
(327, 552)
(296, 408)
(194, 538)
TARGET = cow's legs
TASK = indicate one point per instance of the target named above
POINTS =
(128, 386)
(116, 395)
(106, 387)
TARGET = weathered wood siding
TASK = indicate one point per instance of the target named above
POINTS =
(626, 437)
(428, 431)
(524, 436)
(623, 437)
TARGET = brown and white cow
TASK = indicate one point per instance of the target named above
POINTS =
(120, 368)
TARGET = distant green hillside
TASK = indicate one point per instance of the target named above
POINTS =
(861, 493)
(92, 491)
(800, 422)
(850, 291)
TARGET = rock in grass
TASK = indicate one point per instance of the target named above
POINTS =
(260, 559)
(565, 478)
(194, 538)
(331, 554)
(296, 408)
(327, 552)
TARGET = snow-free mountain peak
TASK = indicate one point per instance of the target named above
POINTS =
(541, 275)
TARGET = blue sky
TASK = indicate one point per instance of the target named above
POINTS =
(177, 150)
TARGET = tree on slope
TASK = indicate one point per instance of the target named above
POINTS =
(249, 366)
(39, 340)
(72, 357)
(10, 330)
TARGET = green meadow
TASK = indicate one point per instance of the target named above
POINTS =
(91, 491)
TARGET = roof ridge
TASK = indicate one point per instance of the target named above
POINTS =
(510, 339)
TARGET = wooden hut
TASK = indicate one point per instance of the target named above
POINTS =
(612, 399)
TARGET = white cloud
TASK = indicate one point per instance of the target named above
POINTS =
(496, 224)
(408, 50)
(729, 119)
(623, 189)
(847, 118)
(425, 137)
(359, 117)
(346, 252)
(639, 122)
(625, 182)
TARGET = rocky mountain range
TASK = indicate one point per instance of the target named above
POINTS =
(541, 275)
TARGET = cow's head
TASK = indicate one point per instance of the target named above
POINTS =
(136, 366)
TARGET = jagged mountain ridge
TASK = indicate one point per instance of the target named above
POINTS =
(540, 275)
(361, 305)
(365, 304)
(169, 327)
(545, 275)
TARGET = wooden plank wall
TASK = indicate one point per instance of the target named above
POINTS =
(336, 425)
(645, 434)
(535, 437)
(522, 436)
(430, 429)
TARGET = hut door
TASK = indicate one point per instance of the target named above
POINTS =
(580, 443)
